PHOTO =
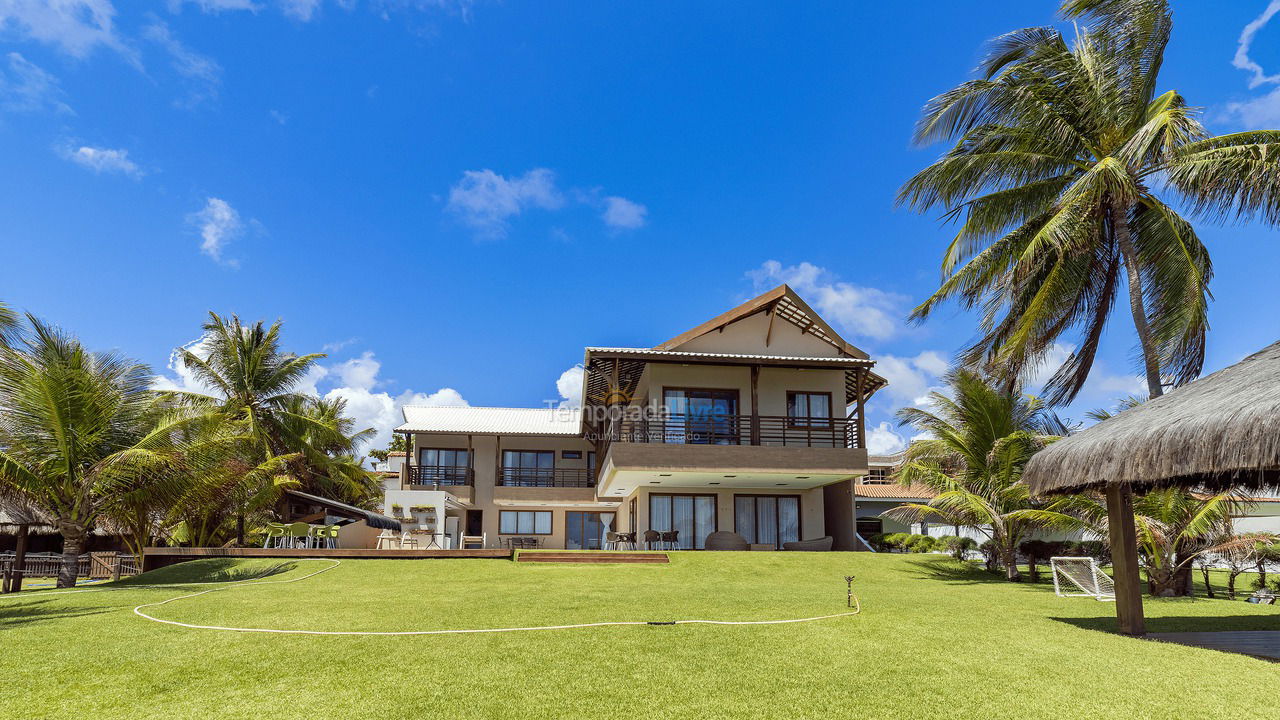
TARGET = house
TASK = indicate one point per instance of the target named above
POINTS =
(752, 422)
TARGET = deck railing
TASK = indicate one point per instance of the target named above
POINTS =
(545, 477)
(441, 475)
(737, 430)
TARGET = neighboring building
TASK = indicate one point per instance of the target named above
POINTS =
(751, 422)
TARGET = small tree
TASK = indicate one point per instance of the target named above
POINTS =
(1035, 551)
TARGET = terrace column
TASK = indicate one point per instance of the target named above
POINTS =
(755, 404)
(1124, 559)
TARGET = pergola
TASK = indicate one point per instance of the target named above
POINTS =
(1220, 431)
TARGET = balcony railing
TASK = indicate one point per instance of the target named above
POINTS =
(545, 477)
(441, 475)
(738, 430)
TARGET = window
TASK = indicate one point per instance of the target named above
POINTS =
(701, 417)
(528, 468)
(693, 517)
(524, 522)
(767, 519)
(571, 454)
(870, 526)
(586, 530)
(877, 476)
(809, 409)
(442, 465)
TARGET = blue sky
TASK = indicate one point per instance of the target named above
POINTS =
(453, 198)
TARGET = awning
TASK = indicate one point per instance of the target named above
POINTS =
(373, 519)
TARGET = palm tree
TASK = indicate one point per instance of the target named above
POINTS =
(76, 434)
(1062, 154)
(255, 386)
(977, 442)
(9, 324)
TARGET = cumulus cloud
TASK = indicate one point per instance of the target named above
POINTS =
(26, 87)
(302, 10)
(487, 201)
(76, 27)
(355, 380)
(883, 440)
(102, 160)
(202, 73)
(569, 385)
(1101, 385)
(1242, 59)
(1259, 113)
(623, 214)
(911, 379)
(219, 224)
(864, 311)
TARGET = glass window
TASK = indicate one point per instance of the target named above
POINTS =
(524, 522)
(443, 465)
(587, 530)
(528, 467)
(767, 519)
(809, 409)
(701, 417)
(693, 517)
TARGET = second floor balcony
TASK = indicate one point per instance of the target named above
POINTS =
(545, 477)
(715, 429)
(432, 476)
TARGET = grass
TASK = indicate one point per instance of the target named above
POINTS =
(935, 639)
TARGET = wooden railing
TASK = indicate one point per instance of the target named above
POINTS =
(545, 477)
(738, 430)
(441, 475)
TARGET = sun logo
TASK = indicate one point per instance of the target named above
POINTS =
(613, 396)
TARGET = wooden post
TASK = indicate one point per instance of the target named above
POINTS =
(862, 410)
(19, 558)
(755, 405)
(1124, 559)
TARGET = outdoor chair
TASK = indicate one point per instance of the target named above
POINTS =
(408, 541)
(671, 539)
(821, 544)
(725, 540)
(296, 534)
(387, 540)
(275, 535)
(611, 541)
(651, 538)
(477, 540)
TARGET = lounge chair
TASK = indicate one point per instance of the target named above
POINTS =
(816, 545)
(725, 540)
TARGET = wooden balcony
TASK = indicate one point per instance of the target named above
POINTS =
(429, 477)
(763, 430)
(545, 477)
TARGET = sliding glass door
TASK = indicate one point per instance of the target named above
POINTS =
(701, 417)
(693, 517)
(586, 530)
(767, 519)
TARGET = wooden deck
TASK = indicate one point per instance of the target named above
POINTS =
(157, 557)
(592, 557)
(1263, 644)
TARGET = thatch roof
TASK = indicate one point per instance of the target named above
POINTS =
(1220, 431)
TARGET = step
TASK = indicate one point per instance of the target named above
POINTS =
(591, 557)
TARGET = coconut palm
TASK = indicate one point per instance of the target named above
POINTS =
(9, 324)
(1064, 156)
(76, 434)
(978, 439)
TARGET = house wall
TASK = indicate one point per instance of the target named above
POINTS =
(748, 337)
(771, 387)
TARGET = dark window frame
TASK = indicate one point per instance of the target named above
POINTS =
(567, 524)
(551, 523)
(715, 515)
(812, 423)
(799, 512)
(570, 454)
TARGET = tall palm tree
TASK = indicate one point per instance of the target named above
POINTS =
(978, 439)
(9, 324)
(1063, 153)
(76, 433)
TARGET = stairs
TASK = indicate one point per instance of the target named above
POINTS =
(591, 557)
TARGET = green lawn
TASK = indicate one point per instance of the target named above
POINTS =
(934, 639)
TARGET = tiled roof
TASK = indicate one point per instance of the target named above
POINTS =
(492, 421)
(893, 491)
(729, 356)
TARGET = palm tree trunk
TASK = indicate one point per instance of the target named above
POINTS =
(73, 540)
(1208, 588)
(1010, 559)
(1132, 270)
(1231, 583)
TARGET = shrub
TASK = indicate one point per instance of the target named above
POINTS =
(877, 542)
(990, 555)
(920, 543)
(897, 541)
(957, 546)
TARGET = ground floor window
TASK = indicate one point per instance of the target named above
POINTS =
(767, 519)
(693, 517)
(870, 526)
(524, 522)
(586, 530)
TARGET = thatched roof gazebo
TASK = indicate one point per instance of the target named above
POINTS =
(1220, 431)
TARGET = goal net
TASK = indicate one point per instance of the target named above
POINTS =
(1081, 577)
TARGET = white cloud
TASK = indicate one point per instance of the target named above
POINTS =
(864, 311)
(569, 385)
(216, 6)
(486, 200)
(1242, 59)
(623, 214)
(278, 116)
(300, 9)
(219, 224)
(203, 73)
(102, 160)
(75, 27)
(183, 379)
(911, 379)
(26, 87)
(1101, 382)
(1259, 113)
(882, 440)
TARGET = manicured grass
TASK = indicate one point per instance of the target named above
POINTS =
(935, 639)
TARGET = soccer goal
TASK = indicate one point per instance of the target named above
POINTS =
(1081, 577)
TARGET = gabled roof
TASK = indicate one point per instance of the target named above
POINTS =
(491, 420)
(785, 304)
